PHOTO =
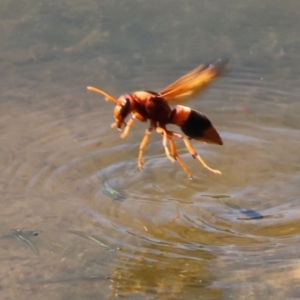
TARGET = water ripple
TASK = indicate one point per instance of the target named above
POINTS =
(86, 179)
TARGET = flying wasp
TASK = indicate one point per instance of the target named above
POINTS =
(152, 106)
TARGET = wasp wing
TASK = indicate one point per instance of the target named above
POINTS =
(193, 82)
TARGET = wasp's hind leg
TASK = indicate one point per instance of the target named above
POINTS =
(163, 131)
(193, 151)
(196, 155)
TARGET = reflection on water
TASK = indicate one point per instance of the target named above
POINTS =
(63, 167)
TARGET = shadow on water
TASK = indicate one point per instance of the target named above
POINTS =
(111, 231)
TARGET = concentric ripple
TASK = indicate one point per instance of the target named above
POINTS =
(77, 174)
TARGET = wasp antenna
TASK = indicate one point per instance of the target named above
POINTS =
(107, 97)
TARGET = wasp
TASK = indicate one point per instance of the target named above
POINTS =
(153, 106)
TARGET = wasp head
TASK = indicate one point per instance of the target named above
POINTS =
(122, 109)
(124, 105)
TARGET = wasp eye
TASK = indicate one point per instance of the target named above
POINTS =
(125, 108)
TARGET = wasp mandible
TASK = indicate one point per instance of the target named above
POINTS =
(152, 106)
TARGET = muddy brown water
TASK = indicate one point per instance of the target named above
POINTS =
(63, 169)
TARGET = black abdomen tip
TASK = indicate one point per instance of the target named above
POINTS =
(199, 127)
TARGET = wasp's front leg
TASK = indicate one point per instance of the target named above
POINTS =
(143, 146)
(128, 126)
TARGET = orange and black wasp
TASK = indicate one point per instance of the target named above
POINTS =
(152, 106)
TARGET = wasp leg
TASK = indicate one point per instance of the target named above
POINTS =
(196, 155)
(128, 126)
(178, 158)
(143, 146)
(193, 151)
(165, 139)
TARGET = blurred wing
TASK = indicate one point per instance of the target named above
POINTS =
(193, 82)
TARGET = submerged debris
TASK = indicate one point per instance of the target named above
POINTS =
(23, 237)
(217, 196)
(77, 278)
(108, 190)
(89, 237)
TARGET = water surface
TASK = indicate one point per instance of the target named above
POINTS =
(64, 170)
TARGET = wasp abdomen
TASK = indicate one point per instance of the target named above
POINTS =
(198, 127)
